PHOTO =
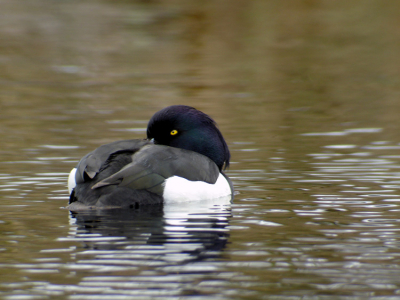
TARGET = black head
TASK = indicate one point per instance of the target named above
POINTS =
(185, 127)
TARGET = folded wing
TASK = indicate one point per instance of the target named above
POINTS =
(152, 164)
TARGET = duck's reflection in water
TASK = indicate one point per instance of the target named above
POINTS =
(154, 235)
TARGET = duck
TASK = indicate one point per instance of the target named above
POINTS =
(183, 159)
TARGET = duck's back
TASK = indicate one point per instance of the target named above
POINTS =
(92, 162)
(132, 173)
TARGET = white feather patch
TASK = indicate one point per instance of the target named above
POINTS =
(178, 189)
(71, 180)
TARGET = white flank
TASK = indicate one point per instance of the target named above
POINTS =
(178, 189)
(71, 180)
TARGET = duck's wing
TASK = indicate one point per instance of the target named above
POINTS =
(153, 164)
(90, 165)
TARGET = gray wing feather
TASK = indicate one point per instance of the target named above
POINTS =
(91, 163)
(152, 164)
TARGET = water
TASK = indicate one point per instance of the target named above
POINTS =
(306, 94)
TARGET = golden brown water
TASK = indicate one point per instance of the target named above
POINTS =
(307, 94)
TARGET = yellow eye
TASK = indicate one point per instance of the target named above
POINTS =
(173, 132)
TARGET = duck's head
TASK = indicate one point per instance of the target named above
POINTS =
(185, 127)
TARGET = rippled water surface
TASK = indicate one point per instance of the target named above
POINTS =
(305, 92)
